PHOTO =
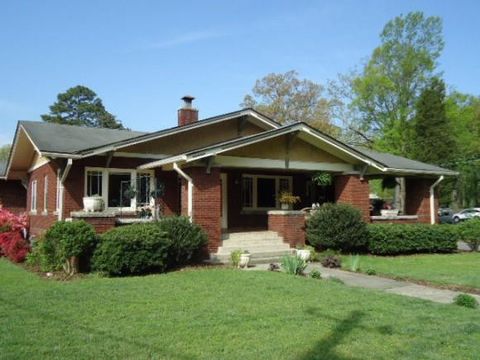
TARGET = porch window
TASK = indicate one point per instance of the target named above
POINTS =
(260, 192)
(33, 199)
(120, 188)
(94, 183)
(143, 188)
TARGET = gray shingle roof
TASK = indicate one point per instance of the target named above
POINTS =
(399, 162)
(70, 139)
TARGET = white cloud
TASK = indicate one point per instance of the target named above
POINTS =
(186, 38)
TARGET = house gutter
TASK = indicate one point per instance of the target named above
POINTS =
(190, 188)
(432, 199)
(66, 171)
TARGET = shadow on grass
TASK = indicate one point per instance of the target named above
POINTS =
(325, 348)
(139, 345)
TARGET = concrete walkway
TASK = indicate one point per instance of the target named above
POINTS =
(383, 284)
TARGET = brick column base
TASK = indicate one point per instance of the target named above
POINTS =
(417, 198)
(350, 189)
(288, 224)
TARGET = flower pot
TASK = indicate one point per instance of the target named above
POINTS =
(244, 261)
(389, 212)
(92, 203)
(285, 206)
(304, 254)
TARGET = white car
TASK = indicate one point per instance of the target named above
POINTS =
(466, 214)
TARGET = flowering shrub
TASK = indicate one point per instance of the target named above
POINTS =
(12, 243)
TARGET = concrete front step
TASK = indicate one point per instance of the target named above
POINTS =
(250, 235)
(254, 248)
(255, 258)
(246, 243)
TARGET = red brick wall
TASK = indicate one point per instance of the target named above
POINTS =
(187, 116)
(349, 189)
(13, 196)
(100, 224)
(417, 198)
(291, 226)
(42, 220)
(207, 196)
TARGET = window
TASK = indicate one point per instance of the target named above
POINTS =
(45, 193)
(143, 189)
(120, 188)
(58, 195)
(33, 199)
(94, 183)
(260, 192)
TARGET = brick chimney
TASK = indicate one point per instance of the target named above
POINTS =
(187, 114)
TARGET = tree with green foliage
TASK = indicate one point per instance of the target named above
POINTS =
(383, 95)
(432, 138)
(5, 152)
(286, 98)
(81, 106)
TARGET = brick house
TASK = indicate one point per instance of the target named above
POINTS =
(225, 172)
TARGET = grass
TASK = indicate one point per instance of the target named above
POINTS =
(218, 314)
(460, 270)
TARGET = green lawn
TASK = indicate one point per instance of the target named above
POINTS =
(223, 314)
(461, 269)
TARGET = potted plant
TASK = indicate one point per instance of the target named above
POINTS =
(287, 200)
(93, 203)
(303, 252)
(322, 178)
(156, 194)
(244, 259)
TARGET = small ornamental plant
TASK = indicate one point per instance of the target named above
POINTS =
(12, 242)
(287, 197)
(466, 300)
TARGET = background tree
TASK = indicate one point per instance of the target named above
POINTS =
(432, 139)
(81, 106)
(4, 152)
(286, 99)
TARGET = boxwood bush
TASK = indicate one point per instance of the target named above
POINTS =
(394, 239)
(338, 227)
(132, 250)
(146, 248)
(188, 239)
(469, 232)
(64, 240)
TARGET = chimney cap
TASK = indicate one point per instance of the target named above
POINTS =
(188, 98)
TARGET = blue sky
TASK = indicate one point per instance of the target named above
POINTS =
(141, 57)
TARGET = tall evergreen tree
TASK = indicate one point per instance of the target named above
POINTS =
(81, 106)
(432, 137)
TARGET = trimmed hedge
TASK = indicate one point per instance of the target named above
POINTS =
(188, 239)
(394, 239)
(146, 248)
(132, 250)
(338, 227)
(469, 232)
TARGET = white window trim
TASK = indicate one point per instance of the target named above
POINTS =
(33, 197)
(58, 193)
(45, 194)
(277, 178)
(133, 179)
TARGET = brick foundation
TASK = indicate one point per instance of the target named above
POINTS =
(288, 224)
(13, 196)
(100, 224)
(350, 189)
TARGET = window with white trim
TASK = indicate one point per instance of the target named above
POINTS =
(115, 186)
(45, 193)
(260, 192)
(58, 193)
(33, 196)
(94, 183)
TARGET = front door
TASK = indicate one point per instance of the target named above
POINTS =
(223, 181)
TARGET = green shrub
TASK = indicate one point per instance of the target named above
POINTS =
(466, 300)
(338, 227)
(235, 257)
(371, 271)
(315, 274)
(469, 232)
(293, 265)
(38, 256)
(393, 239)
(132, 250)
(64, 240)
(188, 239)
